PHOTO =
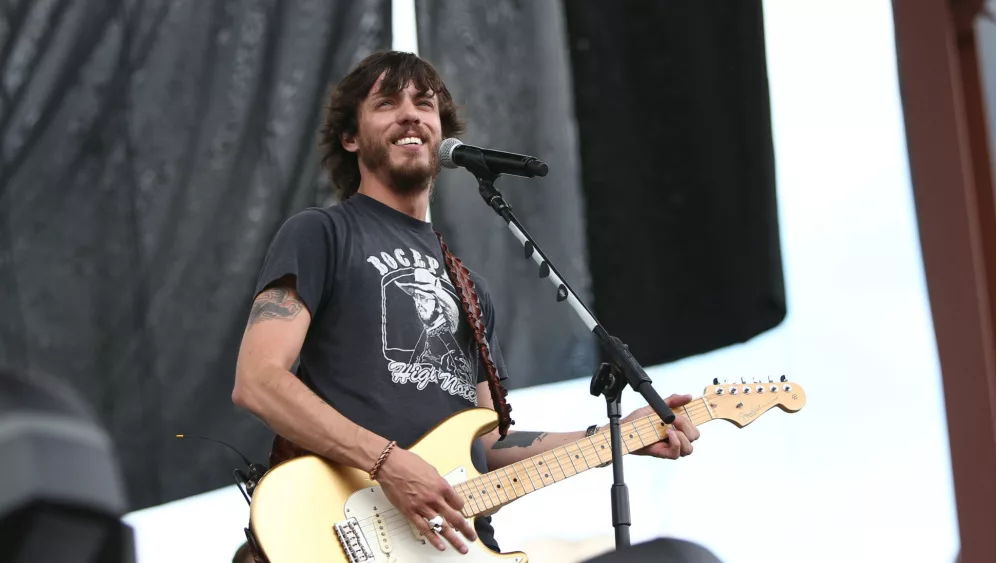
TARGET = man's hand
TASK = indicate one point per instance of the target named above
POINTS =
(679, 436)
(414, 487)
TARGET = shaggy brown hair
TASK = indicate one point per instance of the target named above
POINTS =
(345, 101)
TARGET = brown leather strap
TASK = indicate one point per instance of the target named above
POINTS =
(460, 278)
(284, 450)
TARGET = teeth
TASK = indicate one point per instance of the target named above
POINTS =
(409, 141)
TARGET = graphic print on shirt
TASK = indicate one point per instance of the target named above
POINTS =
(420, 321)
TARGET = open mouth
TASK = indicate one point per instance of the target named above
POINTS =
(409, 142)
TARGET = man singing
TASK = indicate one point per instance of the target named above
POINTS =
(361, 294)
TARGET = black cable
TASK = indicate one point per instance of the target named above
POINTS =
(245, 460)
(240, 480)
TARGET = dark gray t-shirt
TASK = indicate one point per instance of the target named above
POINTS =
(389, 346)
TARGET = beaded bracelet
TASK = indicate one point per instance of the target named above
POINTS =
(381, 459)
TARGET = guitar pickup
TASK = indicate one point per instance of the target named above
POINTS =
(382, 533)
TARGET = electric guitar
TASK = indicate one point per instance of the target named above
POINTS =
(309, 509)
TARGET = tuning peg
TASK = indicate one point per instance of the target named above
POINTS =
(783, 379)
(770, 379)
(715, 381)
(743, 380)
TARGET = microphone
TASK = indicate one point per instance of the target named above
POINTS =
(453, 153)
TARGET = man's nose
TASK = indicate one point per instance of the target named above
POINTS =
(408, 113)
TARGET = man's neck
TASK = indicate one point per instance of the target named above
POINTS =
(414, 205)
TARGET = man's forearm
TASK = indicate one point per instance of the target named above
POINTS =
(518, 446)
(292, 410)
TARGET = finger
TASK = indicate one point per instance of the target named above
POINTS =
(452, 537)
(455, 519)
(420, 521)
(688, 428)
(452, 498)
(675, 400)
(674, 449)
(684, 447)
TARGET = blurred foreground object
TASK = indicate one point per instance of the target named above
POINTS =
(61, 493)
(661, 550)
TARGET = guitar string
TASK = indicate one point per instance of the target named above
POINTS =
(467, 485)
(701, 415)
(643, 433)
(399, 526)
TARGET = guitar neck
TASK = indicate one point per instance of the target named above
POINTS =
(488, 492)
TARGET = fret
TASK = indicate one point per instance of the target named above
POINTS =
(579, 457)
(483, 488)
(656, 430)
(629, 435)
(508, 483)
(550, 465)
(540, 465)
(561, 467)
(605, 447)
(526, 472)
(498, 489)
(468, 494)
(514, 484)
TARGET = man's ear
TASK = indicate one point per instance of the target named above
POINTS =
(349, 142)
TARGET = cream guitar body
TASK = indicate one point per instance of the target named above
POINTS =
(309, 510)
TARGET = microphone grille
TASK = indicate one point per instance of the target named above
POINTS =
(445, 149)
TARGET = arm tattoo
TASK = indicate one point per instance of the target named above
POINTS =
(519, 440)
(274, 303)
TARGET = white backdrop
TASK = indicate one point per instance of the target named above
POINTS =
(863, 472)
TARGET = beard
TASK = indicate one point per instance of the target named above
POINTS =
(408, 178)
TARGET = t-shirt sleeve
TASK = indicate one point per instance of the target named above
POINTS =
(302, 249)
(489, 319)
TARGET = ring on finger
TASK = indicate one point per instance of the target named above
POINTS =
(436, 523)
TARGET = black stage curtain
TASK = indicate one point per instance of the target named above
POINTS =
(150, 150)
(506, 63)
(677, 171)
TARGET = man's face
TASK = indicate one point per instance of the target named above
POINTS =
(426, 305)
(398, 136)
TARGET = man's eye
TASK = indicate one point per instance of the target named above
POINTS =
(382, 103)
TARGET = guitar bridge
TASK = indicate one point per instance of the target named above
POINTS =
(353, 541)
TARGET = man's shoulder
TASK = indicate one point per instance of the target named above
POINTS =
(331, 219)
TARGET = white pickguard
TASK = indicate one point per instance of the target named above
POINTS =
(376, 516)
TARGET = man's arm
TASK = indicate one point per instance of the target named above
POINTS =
(265, 387)
(520, 445)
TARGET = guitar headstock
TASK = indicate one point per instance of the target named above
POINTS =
(742, 403)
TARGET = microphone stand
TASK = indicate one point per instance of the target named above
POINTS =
(608, 380)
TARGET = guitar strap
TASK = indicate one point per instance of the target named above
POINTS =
(460, 278)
